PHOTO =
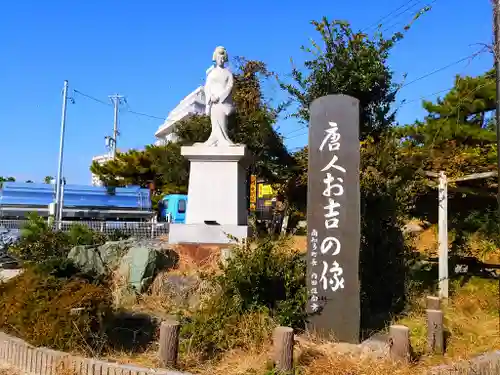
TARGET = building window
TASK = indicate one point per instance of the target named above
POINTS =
(182, 206)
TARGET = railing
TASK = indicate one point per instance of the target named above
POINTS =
(134, 229)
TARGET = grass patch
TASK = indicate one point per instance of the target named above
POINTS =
(37, 307)
(262, 286)
(471, 319)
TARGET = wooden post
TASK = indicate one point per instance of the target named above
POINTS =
(433, 303)
(283, 349)
(169, 343)
(435, 334)
(443, 234)
(399, 343)
(225, 256)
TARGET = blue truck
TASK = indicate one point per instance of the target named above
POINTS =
(81, 202)
(172, 208)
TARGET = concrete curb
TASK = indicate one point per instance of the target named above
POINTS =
(42, 361)
(484, 364)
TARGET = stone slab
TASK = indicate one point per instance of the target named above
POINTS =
(333, 218)
(207, 234)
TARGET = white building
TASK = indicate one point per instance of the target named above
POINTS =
(100, 159)
(193, 104)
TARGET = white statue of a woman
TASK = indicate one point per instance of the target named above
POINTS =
(218, 100)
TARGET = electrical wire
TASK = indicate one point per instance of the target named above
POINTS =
(460, 102)
(427, 75)
(128, 110)
(91, 97)
(377, 23)
(420, 12)
(443, 68)
(145, 115)
(295, 136)
(404, 102)
(296, 130)
(287, 135)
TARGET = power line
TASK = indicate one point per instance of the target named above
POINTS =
(109, 104)
(295, 131)
(418, 14)
(295, 136)
(427, 75)
(404, 102)
(407, 102)
(442, 68)
(92, 98)
(391, 13)
(145, 115)
(460, 102)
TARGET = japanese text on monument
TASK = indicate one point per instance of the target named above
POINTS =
(326, 271)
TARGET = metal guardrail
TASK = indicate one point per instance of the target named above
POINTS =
(134, 229)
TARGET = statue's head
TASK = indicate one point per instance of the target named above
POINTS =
(220, 56)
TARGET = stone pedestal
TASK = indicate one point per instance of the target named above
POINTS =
(216, 207)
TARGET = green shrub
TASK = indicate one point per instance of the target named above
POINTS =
(117, 235)
(82, 235)
(259, 287)
(36, 306)
(388, 187)
(218, 328)
(62, 268)
(39, 241)
(268, 276)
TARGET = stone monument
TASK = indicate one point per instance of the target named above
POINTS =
(217, 205)
(333, 218)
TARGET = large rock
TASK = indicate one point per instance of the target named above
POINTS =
(88, 259)
(184, 291)
(100, 260)
(181, 289)
(141, 264)
(412, 228)
(113, 251)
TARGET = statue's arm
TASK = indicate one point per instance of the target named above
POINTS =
(208, 99)
(228, 89)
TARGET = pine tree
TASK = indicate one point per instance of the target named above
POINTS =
(461, 117)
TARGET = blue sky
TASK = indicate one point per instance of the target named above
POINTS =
(156, 51)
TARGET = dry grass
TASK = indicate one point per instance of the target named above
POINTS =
(426, 242)
(7, 370)
(471, 318)
(197, 258)
(238, 362)
(148, 358)
(299, 243)
(331, 364)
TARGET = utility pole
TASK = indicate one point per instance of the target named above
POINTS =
(61, 203)
(496, 54)
(117, 100)
(61, 152)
